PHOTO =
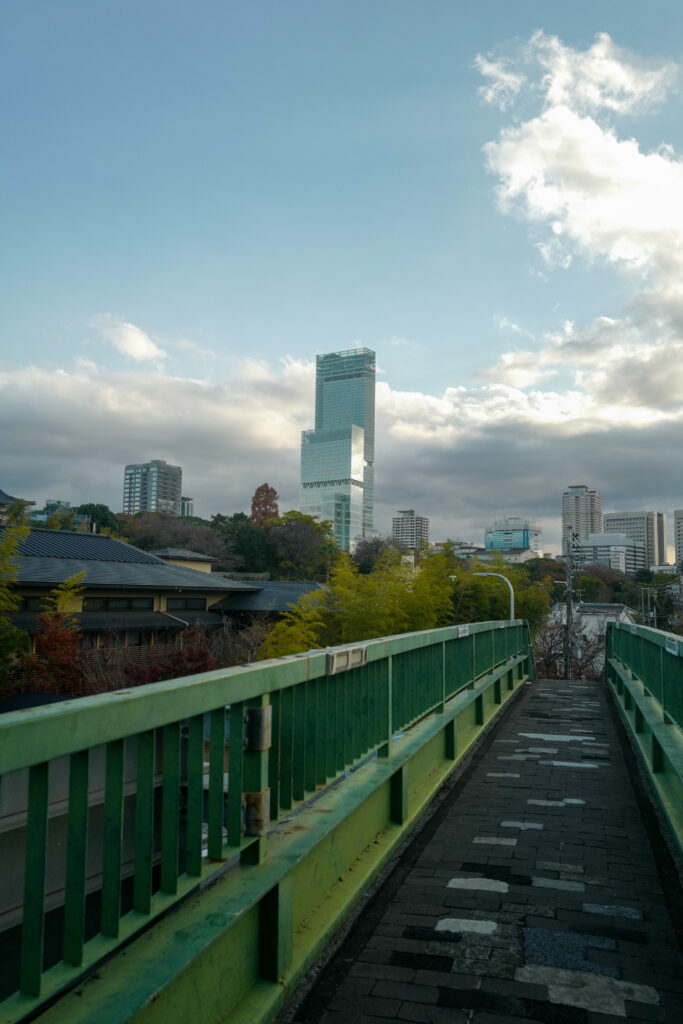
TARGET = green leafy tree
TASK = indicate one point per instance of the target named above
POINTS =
(356, 606)
(14, 643)
(100, 515)
(61, 519)
(248, 544)
(302, 547)
(369, 550)
(11, 537)
(16, 513)
(61, 599)
(300, 629)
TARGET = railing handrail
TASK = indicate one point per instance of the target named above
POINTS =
(34, 735)
(179, 787)
(660, 637)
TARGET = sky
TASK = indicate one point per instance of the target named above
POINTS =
(197, 198)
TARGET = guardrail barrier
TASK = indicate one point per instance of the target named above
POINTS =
(644, 667)
(199, 840)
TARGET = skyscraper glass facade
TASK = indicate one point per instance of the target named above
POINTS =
(337, 458)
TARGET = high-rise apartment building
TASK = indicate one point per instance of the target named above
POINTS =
(678, 536)
(649, 528)
(613, 549)
(337, 457)
(581, 512)
(409, 529)
(186, 506)
(514, 532)
(152, 487)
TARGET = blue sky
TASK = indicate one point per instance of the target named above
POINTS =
(192, 193)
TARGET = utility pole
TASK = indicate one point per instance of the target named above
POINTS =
(568, 612)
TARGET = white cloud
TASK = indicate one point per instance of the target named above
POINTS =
(502, 85)
(604, 77)
(588, 194)
(130, 340)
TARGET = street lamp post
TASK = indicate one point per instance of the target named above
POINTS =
(512, 593)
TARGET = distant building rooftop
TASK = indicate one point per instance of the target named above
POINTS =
(188, 556)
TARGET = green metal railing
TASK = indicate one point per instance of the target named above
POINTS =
(133, 799)
(644, 668)
(656, 659)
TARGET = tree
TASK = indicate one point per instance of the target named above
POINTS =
(56, 665)
(152, 531)
(248, 544)
(14, 643)
(264, 505)
(301, 629)
(16, 513)
(391, 599)
(11, 537)
(61, 519)
(587, 648)
(303, 548)
(370, 549)
(191, 657)
(100, 516)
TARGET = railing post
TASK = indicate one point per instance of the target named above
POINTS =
(451, 740)
(385, 749)
(442, 706)
(275, 930)
(255, 776)
(399, 795)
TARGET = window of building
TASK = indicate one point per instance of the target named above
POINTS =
(118, 604)
(185, 604)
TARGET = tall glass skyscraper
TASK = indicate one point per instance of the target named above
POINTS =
(337, 458)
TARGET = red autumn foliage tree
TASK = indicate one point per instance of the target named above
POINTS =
(264, 505)
(191, 657)
(56, 666)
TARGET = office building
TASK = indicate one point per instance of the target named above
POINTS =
(186, 506)
(337, 457)
(581, 513)
(152, 487)
(678, 536)
(647, 527)
(615, 550)
(514, 532)
(409, 529)
(61, 509)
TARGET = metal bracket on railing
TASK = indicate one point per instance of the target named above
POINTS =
(345, 659)
(256, 812)
(258, 728)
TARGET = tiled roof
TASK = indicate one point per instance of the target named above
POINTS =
(272, 597)
(194, 556)
(84, 546)
(49, 557)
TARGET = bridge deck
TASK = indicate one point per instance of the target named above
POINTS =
(533, 894)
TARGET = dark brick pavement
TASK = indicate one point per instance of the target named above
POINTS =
(532, 895)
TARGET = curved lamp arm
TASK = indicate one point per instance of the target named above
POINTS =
(512, 593)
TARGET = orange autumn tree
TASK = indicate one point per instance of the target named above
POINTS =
(264, 505)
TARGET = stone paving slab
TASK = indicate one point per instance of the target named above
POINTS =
(532, 895)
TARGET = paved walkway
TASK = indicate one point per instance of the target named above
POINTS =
(532, 895)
